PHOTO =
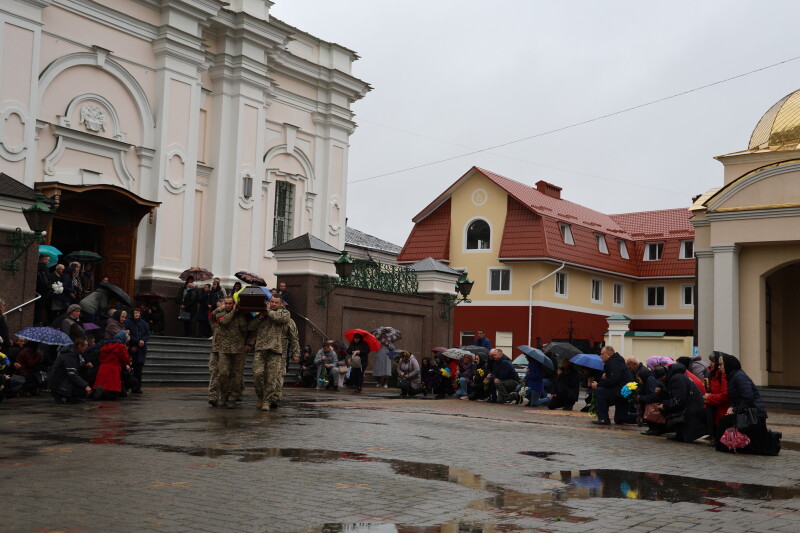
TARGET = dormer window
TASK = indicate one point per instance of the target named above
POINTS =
(566, 233)
(601, 243)
(479, 235)
(653, 251)
(687, 250)
(623, 250)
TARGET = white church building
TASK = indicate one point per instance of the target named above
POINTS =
(176, 133)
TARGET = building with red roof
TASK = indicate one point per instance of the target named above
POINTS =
(545, 268)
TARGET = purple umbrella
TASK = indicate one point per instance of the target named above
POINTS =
(656, 360)
(90, 326)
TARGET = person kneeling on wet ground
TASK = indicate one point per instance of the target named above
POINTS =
(129, 381)
(504, 376)
(65, 383)
(535, 382)
(408, 373)
(654, 393)
(743, 395)
(326, 363)
(684, 407)
(716, 398)
(308, 369)
(113, 358)
(609, 389)
(567, 387)
(465, 373)
(430, 376)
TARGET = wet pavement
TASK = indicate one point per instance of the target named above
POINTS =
(338, 462)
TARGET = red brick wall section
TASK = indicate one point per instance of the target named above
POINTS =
(20, 287)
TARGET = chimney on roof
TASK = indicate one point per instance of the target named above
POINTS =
(549, 189)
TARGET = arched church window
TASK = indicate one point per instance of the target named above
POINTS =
(479, 235)
(284, 213)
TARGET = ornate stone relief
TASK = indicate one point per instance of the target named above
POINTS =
(93, 118)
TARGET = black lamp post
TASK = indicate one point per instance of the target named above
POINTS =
(39, 217)
(344, 265)
(463, 288)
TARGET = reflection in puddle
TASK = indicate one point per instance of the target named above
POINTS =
(382, 527)
(662, 487)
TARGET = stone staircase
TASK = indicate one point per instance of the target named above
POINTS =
(778, 398)
(183, 362)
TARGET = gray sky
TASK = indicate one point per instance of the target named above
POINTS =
(452, 76)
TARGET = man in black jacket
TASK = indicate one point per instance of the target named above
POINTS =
(609, 389)
(503, 375)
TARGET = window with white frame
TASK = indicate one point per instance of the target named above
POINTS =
(566, 233)
(687, 295)
(499, 280)
(619, 294)
(479, 235)
(623, 250)
(655, 296)
(601, 243)
(597, 290)
(687, 250)
(561, 284)
(653, 251)
(467, 338)
(283, 228)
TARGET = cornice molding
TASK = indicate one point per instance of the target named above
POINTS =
(752, 213)
(588, 268)
(97, 12)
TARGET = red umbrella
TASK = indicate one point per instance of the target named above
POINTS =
(368, 337)
(439, 349)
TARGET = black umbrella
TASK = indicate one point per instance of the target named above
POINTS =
(562, 350)
(116, 292)
(85, 256)
(250, 278)
(480, 351)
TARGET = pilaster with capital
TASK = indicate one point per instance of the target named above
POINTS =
(726, 298)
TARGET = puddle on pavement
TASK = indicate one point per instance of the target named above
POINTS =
(543, 455)
(585, 484)
(786, 445)
(383, 527)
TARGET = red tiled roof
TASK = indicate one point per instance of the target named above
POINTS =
(649, 225)
(430, 237)
(532, 230)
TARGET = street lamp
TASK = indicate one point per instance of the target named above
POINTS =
(463, 287)
(39, 216)
(344, 269)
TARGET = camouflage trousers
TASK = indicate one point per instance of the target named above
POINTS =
(268, 371)
(213, 376)
(231, 374)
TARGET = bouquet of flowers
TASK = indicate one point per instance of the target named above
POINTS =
(57, 287)
(480, 372)
(629, 389)
(445, 372)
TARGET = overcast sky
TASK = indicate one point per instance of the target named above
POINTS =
(452, 76)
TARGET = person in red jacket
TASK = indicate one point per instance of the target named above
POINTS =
(113, 358)
(717, 397)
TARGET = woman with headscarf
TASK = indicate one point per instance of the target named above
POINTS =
(408, 370)
(743, 394)
(359, 359)
(685, 402)
(430, 375)
(653, 393)
(716, 398)
(113, 358)
(114, 324)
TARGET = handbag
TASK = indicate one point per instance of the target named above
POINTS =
(653, 414)
(747, 419)
(675, 420)
(184, 315)
(734, 439)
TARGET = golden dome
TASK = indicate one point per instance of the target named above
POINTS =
(779, 128)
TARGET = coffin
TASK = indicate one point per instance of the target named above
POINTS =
(252, 299)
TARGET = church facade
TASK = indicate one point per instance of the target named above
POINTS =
(176, 133)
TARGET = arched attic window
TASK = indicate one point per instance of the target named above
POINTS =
(479, 235)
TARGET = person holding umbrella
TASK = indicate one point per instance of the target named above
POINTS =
(359, 359)
(567, 387)
(187, 303)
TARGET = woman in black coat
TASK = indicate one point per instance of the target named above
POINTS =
(686, 399)
(567, 387)
(743, 394)
(360, 348)
(653, 392)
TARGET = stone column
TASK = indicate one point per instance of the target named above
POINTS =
(705, 301)
(618, 326)
(726, 298)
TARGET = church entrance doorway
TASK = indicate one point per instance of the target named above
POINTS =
(782, 320)
(99, 218)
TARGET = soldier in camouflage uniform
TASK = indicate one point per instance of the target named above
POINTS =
(290, 345)
(232, 331)
(213, 367)
(268, 366)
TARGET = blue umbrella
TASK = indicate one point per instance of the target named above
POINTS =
(394, 354)
(588, 360)
(537, 355)
(50, 251)
(45, 336)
